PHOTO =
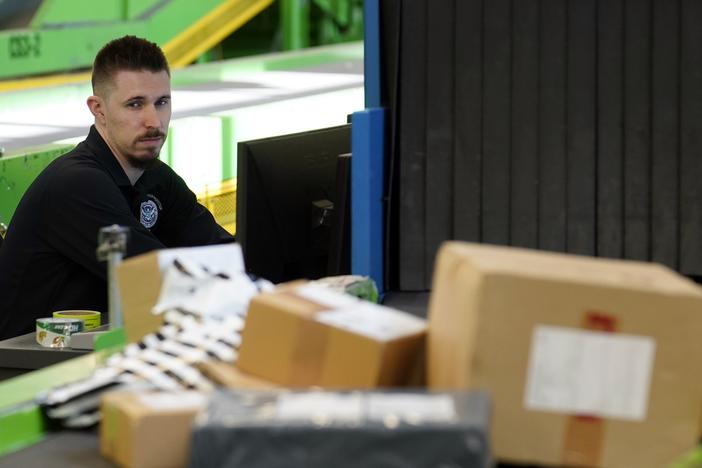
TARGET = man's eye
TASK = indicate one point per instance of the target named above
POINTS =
(134, 104)
(162, 102)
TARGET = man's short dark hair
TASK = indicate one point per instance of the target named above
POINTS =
(128, 53)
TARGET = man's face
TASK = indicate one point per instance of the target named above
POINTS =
(137, 110)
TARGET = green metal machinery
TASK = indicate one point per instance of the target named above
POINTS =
(18, 171)
(64, 35)
(313, 22)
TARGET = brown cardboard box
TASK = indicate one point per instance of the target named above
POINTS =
(152, 429)
(148, 430)
(140, 279)
(308, 335)
(589, 361)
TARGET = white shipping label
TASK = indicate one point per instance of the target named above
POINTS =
(589, 373)
(173, 401)
(413, 408)
(373, 321)
(320, 407)
(326, 296)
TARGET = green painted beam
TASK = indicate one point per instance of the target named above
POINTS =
(295, 22)
(58, 12)
(68, 33)
(17, 173)
(175, 16)
(53, 12)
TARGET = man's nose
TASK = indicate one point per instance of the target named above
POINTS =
(151, 117)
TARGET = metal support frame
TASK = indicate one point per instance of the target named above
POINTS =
(112, 246)
(367, 206)
(185, 47)
(295, 22)
(368, 163)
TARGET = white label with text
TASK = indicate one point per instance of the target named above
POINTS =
(589, 373)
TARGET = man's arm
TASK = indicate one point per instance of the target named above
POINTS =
(187, 223)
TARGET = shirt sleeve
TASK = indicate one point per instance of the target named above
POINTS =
(187, 223)
(77, 205)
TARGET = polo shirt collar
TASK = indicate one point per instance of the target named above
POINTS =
(105, 157)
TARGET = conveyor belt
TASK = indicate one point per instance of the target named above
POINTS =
(68, 449)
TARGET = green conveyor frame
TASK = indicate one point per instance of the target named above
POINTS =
(19, 170)
(65, 35)
(21, 421)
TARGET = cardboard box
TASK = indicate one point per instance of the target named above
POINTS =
(589, 362)
(140, 279)
(148, 430)
(308, 335)
(153, 429)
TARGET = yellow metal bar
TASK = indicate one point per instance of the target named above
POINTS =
(210, 30)
(44, 81)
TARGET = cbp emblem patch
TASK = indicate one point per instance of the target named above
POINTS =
(148, 214)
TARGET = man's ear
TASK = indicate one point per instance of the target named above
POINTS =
(96, 106)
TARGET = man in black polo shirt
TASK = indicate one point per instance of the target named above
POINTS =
(48, 260)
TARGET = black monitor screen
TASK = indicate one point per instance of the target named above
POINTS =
(293, 204)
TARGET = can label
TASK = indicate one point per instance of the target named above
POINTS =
(56, 332)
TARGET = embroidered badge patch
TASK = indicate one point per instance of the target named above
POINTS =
(148, 214)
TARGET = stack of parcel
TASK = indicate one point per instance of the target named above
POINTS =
(318, 376)
(586, 362)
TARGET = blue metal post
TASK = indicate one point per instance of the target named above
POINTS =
(367, 181)
(368, 162)
(371, 52)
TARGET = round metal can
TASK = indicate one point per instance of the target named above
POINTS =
(90, 318)
(56, 332)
